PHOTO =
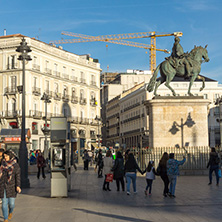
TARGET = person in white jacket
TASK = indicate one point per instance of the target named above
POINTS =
(150, 176)
(108, 164)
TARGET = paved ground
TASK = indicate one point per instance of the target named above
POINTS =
(195, 201)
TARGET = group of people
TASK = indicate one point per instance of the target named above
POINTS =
(168, 170)
(9, 182)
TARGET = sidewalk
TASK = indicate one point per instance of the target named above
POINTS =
(195, 201)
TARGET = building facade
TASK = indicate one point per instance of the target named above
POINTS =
(71, 81)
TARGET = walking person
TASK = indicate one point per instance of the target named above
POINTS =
(86, 160)
(100, 164)
(214, 164)
(108, 164)
(131, 168)
(1, 155)
(9, 184)
(150, 176)
(41, 164)
(118, 171)
(173, 172)
(163, 173)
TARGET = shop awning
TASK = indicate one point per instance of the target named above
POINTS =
(9, 135)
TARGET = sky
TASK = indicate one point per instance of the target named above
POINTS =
(200, 21)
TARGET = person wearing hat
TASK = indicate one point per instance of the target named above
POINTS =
(9, 183)
(173, 172)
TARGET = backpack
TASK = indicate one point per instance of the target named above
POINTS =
(158, 170)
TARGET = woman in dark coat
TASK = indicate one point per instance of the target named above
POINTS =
(163, 173)
(118, 169)
(9, 183)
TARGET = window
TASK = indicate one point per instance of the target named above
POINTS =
(56, 87)
(46, 64)
(216, 96)
(13, 83)
(65, 91)
(64, 70)
(73, 92)
(47, 86)
(34, 82)
(205, 96)
(81, 94)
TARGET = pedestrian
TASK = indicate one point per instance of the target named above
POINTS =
(131, 168)
(9, 184)
(90, 157)
(86, 159)
(41, 164)
(163, 173)
(150, 176)
(173, 172)
(100, 164)
(214, 164)
(108, 164)
(1, 155)
(118, 171)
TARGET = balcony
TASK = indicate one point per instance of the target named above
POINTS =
(48, 71)
(56, 73)
(49, 93)
(74, 78)
(57, 96)
(65, 98)
(12, 90)
(65, 76)
(93, 83)
(74, 99)
(10, 114)
(82, 101)
(36, 91)
(83, 80)
(35, 114)
(93, 102)
(36, 67)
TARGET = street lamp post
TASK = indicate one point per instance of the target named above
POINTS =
(98, 135)
(23, 153)
(45, 129)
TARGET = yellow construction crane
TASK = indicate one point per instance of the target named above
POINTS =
(117, 39)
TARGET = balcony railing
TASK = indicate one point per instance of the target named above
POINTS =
(74, 99)
(65, 98)
(11, 90)
(49, 93)
(82, 101)
(57, 96)
(74, 78)
(10, 114)
(36, 67)
(35, 114)
(56, 73)
(65, 76)
(83, 80)
(93, 102)
(36, 91)
(48, 71)
(93, 83)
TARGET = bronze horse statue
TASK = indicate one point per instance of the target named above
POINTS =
(197, 56)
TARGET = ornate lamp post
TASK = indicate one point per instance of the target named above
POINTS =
(45, 129)
(23, 153)
(98, 135)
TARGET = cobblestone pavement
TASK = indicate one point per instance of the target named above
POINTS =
(195, 201)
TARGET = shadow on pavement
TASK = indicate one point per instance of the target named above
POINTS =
(111, 215)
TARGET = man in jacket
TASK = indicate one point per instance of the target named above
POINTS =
(173, 172)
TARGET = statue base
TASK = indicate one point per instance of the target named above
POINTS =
(178, 121)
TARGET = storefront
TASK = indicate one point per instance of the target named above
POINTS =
(11, 138)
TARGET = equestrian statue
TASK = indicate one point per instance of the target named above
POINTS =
(186, 65)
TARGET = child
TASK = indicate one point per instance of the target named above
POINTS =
(150, 176)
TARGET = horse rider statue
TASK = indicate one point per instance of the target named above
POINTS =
(178, 57)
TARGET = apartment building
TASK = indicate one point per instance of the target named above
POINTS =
(134, 120)
(71, 81)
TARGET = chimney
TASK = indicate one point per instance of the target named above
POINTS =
(4, 32)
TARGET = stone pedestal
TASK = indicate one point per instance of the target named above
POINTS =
(178, 121)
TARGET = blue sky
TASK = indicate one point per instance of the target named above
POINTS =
(199, 20)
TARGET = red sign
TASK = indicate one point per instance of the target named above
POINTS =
(12, 139)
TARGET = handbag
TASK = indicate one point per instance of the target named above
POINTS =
(109, 177)
(219, 173)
